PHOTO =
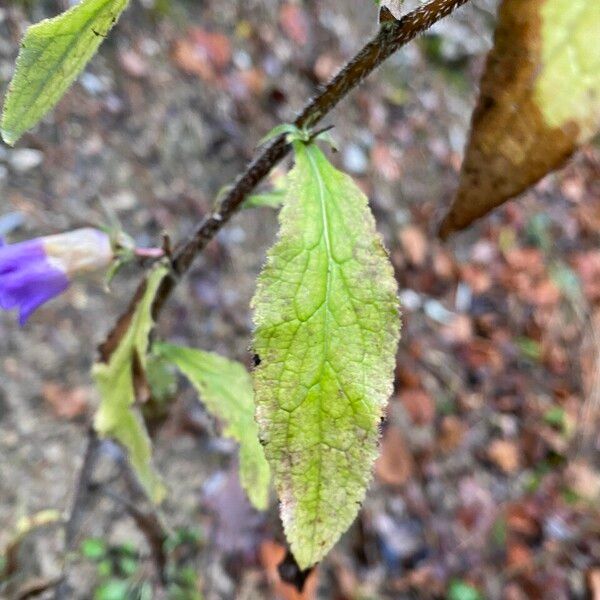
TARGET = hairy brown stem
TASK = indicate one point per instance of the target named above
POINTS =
(391, 37)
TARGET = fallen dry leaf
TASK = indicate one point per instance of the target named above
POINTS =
(584, 480)
(452, 431)
(593, 583)
(505, 454)
(588, 268)
(271, 555)
(386, 161)
(133, 63)
(66, 403)
(518, 556)
(419, 405)
(395, 464)
(294, 22)
(523, 518)
(414, 243)
(202, 53)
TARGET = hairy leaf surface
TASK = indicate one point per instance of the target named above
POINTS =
(327, 327)
(539, 100)
(225, 388)
(116, 416)
(53, 53)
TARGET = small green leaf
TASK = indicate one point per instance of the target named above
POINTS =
(461, 590)
(225, 388)
(272, 199)
(529, 348)
(105, 568)
(116, 416)
(115, 589)
(93, 548)
(327, 328)
(555, 416)
(53, 53)
(292, 133)
(128, 566)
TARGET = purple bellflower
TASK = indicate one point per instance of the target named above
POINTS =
(37, 270)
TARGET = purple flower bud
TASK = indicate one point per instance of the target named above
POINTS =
(34, 271)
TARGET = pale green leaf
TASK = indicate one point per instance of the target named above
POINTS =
(327, 328)
(272, 199)
(567, 89)
(53, 53)
(116, 416)
(225, 388)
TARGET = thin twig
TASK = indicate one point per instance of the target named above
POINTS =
(150, 521)
(151, 526)
(80, 503)
(390, 38)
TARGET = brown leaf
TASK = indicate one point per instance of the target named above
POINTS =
(588, 268)
(419, 406)
(477, 278)
(518, 556)
(66, 403)
(294, 22)
(386, 161)
(583, 480)
(133, 63)
(510, 147)
(414, 244)
(452, 431)
(326, 66)
(458, 331)
(504, 454)
(593, 583)
(443, 264)
(271, 555)
(395, 465)
(524, 519)
(202, 53)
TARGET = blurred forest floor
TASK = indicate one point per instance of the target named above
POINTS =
(489, 477)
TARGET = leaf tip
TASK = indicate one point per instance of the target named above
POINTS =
(445, 229)
(9, 137)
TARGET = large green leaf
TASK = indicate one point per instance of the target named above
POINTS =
(327, 327)
(116, 416)
(53, 53)
(225, 388)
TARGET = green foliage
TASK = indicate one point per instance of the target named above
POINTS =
(530, 349)
(555, 416)
(272, 199)
(225, 388)
(327, 327)
(93, 548)
(53, 53)
(121, 571)
(461, 590)
(113, 589)
(117, 567)
(116, 416)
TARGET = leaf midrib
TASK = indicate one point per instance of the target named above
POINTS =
(325, 234)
